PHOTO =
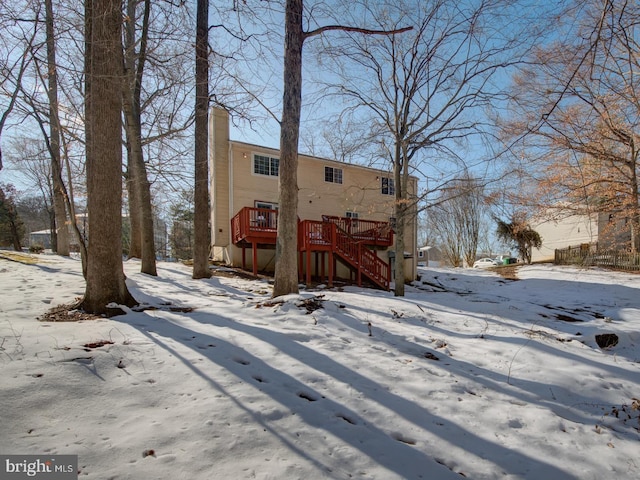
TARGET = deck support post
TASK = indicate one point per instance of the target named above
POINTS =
(332, 267)
(254, 248)
(244, 258)
(359, 274)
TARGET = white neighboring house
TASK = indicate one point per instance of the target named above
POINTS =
(560, 230)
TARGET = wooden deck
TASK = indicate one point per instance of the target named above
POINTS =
(254, 226)
(348, 240)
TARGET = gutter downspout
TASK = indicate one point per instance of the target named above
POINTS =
(229, 248)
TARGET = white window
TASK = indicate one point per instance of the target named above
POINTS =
(264, 165)
(332, 175)
(388, 187)
(351, 214)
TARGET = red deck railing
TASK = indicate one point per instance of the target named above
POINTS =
(314, 235)
(258, 225)
(368, 231)
(329, 236)
(348, 238)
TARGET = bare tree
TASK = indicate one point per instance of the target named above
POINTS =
(105, 276)
(577, 115)
(342, 138)
(39, 101)
(286, 270)
(202, 239)
(140, 209)
(14, 66)
(60, 241)
(456, 219)
(30, 157)
(428, 90)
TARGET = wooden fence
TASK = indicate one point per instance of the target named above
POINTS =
(589, 255)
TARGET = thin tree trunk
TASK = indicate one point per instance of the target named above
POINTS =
(52, 225)
(286, 271)
(135, 231)
(105, 275)
(62, 227)
(635, 200)
(69, 196)
(202, 234)
(142, 243)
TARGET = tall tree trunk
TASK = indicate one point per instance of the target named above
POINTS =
(141, 212)
(286, 271)
(135, 230)
(105, 276)
(399, 212)
(202, 234)
(62, 226)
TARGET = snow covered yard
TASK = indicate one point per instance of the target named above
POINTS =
(469, 375)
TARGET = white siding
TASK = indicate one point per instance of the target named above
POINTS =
(572, 230)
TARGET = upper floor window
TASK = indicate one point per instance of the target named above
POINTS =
(333, 175)
(351, 214)
(388, 187)
(264, 165)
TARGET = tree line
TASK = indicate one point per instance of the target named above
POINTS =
(500, 108)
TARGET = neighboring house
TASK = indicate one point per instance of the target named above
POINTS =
(560, 230)
(41, 237)
(429, 256)
(345, 212)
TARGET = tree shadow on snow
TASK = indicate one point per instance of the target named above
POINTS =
(396, 452)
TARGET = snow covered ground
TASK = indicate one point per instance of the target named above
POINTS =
(468, 375)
